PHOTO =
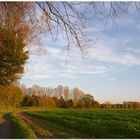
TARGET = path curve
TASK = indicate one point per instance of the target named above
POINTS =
(5, 127)
(40, 132)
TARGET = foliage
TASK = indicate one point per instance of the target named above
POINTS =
(81, 104)
(63, 103)
(12, 56)
(70, 103)
(13, 32)
(57, 102)
(20, 129)
(10, 95)
(96, 123)
(136, 105)
(87, 102)
(29, 101)
(46, 101)
(95, 104)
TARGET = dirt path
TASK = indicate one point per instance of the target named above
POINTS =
(39, 131)
(5, 127)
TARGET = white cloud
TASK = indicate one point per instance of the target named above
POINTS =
(50, 63)
(134, 50)
(51, 66)
(107, 54)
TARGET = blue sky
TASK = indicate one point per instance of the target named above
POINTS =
(111, 71)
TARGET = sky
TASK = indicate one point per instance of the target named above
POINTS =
(111, 71)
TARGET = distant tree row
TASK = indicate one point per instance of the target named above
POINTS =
(130, 104)
(47, 101)
(12, 96)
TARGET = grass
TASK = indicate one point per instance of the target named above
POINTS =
(54, 130)
(1, 117)
(94, 123)
(74, 123)
(20, 129)
(1, 121)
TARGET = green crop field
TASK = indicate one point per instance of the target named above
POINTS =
(92, 123)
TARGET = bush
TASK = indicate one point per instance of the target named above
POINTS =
(29, 101)
(95, 104)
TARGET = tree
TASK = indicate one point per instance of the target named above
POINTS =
(29, 101)
(62, 102)
(66, 93)
(71, 20)
(57, 102)
(80, 103)
(12, 56)
(107, 104)
(136, 105)
(10, 95)
(13, 32)
(88, 100)
(95, 104)
(36, 100)
(68, 17)
(70, 103)
(76, 94)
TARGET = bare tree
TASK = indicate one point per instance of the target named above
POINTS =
(67, 18)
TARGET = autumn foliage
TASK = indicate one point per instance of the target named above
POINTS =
(10, 95)
(13, 33)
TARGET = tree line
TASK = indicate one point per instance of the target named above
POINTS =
(47, 101)
(128, 104)
(13, 96)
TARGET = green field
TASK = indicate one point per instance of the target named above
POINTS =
(74, 123)
(94, 123)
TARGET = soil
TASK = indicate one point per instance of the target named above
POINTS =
(39, 131)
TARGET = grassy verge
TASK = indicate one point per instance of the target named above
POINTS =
(1, 117)
(20, 129)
